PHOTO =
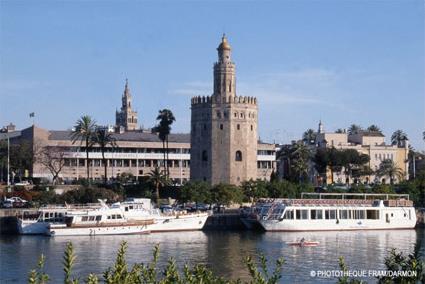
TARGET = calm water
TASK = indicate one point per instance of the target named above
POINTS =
(222, 251)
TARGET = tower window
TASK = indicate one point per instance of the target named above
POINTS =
(218, 114)
(238, 126)
(204, 156)
(238, 156)
(205, 127)
(252, 127)
(221, 126)
(236, 114)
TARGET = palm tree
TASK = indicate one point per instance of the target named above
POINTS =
(158, 179)
(103, 138)
(340, 130)
(423, 135)
(398, 138)
(300, 157)
(374, 128)
(166, 119)
(354, 129)
(309, 136)
(388, 168)
(83, 132)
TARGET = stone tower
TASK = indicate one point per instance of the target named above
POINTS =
(126, 117)
(224, 128)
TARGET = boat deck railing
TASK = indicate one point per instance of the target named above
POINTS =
(365, 196)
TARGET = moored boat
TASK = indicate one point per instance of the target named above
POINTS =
(349, 212)
(139, 209)
(102, 221)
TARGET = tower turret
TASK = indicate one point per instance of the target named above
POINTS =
(224, 73)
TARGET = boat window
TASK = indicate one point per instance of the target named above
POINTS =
(316, 214)
(289, 214)
(119, 216)
(84, 218)
(98, 218)
(109, 217)
(131, 207)
(91, 218)
(359, 214)
(343, 214)
(372, 214)
(113, 216)
(126, 208)
(330, 214)
(302, 214)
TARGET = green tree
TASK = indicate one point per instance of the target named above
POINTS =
(340, 130)
(158, 179)
(103, 138)
(354, 129)
(166, 119)
(398, 138)
(321, 161)
(196, 191)
(254, 189)
(300, 157)
(353, 160)
(390, 169)
(309, 137)
(374, 128)
(21, 159)
(83, 132)
(225, 194)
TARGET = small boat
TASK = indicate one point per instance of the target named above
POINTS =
(303, 244)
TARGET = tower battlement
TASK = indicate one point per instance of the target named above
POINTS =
(229, 100)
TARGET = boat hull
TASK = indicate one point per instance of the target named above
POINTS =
(332, 225)
(98, 230)
(32, 227)
(180, 223)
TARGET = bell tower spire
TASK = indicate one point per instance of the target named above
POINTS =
(126, 117)
(224, 73)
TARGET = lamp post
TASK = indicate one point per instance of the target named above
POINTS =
(8, 162)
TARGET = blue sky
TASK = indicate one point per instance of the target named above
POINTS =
(342, 62)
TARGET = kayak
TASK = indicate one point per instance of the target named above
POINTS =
(303, 244)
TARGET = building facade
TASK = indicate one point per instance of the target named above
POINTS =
(224, 140)
(136, 152)
(369, 143)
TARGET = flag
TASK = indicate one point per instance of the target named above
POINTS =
(32, 114)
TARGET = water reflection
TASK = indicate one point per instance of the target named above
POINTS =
(222, 251)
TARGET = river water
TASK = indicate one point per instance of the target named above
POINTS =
(222, 251)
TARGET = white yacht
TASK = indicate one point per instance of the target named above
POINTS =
(334, 211)
(101, 221)
(138, 209)
(36, 223)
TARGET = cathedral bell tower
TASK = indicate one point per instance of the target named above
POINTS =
(224, 128)
(126, 117)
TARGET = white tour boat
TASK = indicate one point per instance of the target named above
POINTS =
(365, 212)
(102, 221)
(139, 209)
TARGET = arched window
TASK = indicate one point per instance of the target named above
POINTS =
(221, 126)
(204, 156)
(238, 126)
(238, 156)
(252, 127)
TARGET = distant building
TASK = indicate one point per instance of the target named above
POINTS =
(224, 136)
(126, 118)
(365, 142)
